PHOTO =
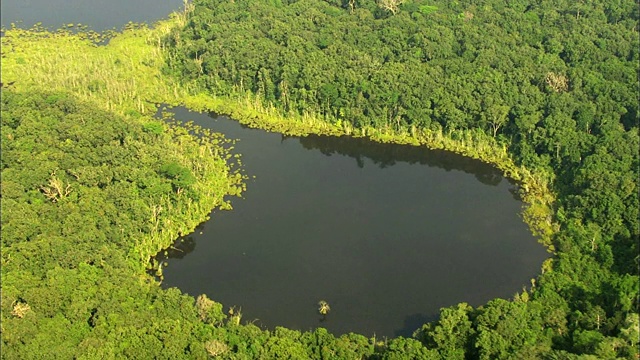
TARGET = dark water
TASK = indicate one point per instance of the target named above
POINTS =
(386, 234)
(98, 15)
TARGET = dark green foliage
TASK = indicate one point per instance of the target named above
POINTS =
(73, 211)
(554, 82)
(153, 127)
(506, 328)
(180, 176)
(81, 190)
(452, 334)
(405, 349)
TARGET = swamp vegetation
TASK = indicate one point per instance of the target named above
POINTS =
(92, 186)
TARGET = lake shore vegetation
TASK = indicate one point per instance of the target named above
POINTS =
(92, 185)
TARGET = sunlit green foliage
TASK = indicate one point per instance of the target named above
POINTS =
(547, 91)
(79, 222)
(555, 83)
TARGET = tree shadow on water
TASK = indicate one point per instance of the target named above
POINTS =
(181, 247)
(414, 322)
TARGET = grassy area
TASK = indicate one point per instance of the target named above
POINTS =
(75, 246)
(122, 78)
(125, 77)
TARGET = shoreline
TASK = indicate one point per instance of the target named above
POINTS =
(141, 48)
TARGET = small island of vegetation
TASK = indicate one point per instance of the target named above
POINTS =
(92, 186)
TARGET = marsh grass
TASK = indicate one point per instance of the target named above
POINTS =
(534, 186)
(122, 76)
(125, 77)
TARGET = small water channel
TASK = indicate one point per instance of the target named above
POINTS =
(386, 234)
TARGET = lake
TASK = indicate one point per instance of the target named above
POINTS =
(386, 234)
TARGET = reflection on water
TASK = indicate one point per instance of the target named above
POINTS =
(386, 240)
(414, 322)
(385, 155)
(180, 248)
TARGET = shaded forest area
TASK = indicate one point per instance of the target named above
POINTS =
(88, 195)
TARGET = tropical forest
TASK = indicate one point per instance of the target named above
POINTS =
(96, 180)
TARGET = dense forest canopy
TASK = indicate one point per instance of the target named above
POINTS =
(88, 195)
(87, 198)
(556, 82)
(452, 65)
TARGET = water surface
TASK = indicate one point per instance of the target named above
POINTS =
(98, 15)
(387, 234)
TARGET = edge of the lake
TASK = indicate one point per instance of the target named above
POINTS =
(142, 46)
